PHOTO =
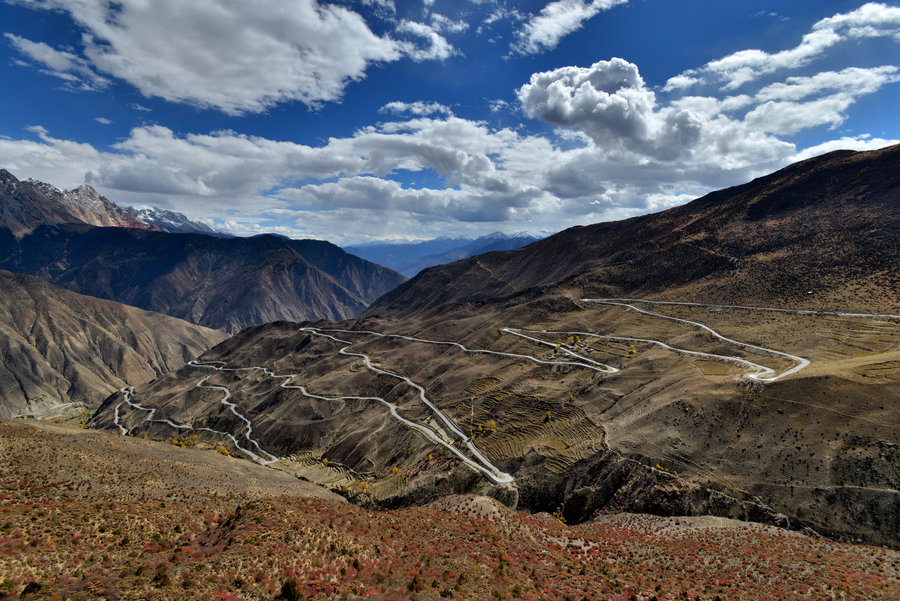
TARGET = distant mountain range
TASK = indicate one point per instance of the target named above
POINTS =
(60, 347)
(409, 258)
(825, 228)
(30, 203)
(222, 283)
(24, 205)
(201, 276)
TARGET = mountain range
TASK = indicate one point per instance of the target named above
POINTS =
(83, 242)
(409, 258)
(737, 356)
(30, 203)
(170, 221)
(222, 283)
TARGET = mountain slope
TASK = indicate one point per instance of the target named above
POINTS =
(552, 403)
(24, 205)
(223, 283)
(60, 347)
(820, 232)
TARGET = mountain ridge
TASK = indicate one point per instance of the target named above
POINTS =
(24, 205)
(700, 247)
(223, 283)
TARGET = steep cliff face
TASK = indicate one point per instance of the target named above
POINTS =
(24, 205)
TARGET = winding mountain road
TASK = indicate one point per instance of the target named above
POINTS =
(483, 464)
(763, 374)
(477, 460)
(128, 391)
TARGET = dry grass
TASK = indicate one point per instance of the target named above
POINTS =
(70, 529)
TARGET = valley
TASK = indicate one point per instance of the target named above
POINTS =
(670, 405)
(723, 375)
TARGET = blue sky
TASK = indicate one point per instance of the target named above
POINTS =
(385, 119)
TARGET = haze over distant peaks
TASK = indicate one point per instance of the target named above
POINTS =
(409, 258)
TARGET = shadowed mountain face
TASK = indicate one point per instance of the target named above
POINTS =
(60, 347)
(823, 231)
(223, 283)
(24, 205)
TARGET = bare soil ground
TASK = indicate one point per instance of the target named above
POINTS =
(91, 515)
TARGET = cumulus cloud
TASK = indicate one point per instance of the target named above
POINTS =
(872, 20)
(103, 120)
(611, 103)
(430, 44)
(231, 55)
(487, 178)
(555, 21)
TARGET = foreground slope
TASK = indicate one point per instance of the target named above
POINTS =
(822, 232)
(62, 350)
(134, 519)
(222, 283)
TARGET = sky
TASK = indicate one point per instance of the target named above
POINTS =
(356, 121)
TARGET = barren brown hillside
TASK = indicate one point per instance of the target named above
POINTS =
(823, 232)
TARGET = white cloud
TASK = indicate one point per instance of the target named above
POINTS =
(385, 8)
(782, 113)
(435, 47)
(75, 71)
(443, 23)
(611, 103)
(487, 178)
(231, 55)
(103, 120)
(557, 20)
(417, 108)
(872, 20)
(845, 143)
